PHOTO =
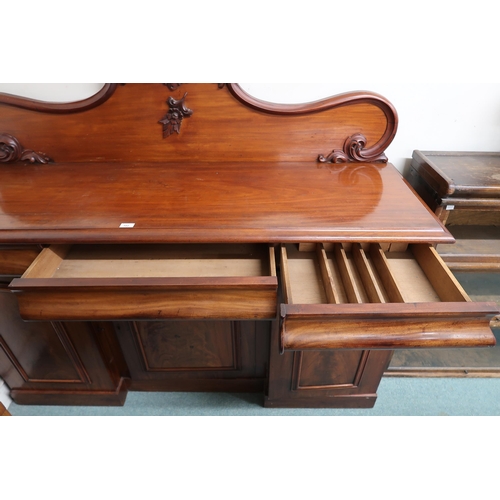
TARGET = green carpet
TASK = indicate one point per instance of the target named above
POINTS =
(396, 397)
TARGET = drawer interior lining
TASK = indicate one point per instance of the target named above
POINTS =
(412, 281)
(148, 261)
(306, 281)
(366, 275)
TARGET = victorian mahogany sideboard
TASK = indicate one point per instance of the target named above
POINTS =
(189, 237)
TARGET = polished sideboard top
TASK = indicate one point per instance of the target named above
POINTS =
(213, 202)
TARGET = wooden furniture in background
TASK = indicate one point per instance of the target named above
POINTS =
(463, 190)
(190, 237)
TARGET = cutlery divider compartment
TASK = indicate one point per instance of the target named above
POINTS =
(372, 297)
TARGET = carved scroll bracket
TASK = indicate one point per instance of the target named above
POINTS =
(11, 151)
(173, 119)
(354, 151)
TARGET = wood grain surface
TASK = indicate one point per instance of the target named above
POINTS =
(224, 125)
(213, 202)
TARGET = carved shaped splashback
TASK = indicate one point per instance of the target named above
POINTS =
(227, 125)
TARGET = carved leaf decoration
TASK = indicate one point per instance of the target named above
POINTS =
(353, 151)
(171, 123)
(173, 119)
(11, 151)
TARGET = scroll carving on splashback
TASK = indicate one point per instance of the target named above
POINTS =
(11, 151)
(353, 151)
(173, 119)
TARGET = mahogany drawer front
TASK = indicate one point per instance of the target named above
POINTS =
(368, 297)
(14, 260)
(111, 282)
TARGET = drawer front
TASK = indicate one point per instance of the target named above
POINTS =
(150, 282)
(374, 297)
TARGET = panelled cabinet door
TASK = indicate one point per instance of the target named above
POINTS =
(325, 379)
(58, 362)
(193, 355)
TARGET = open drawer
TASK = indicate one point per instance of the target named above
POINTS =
(108, 282)
(372, 297)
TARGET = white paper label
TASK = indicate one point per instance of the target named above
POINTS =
(127, 224)
(450, 207)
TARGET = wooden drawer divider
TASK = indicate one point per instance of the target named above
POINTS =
(367, 286)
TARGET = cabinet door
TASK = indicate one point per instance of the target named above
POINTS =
(59, 362)
(193, 355)
(324, 379)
